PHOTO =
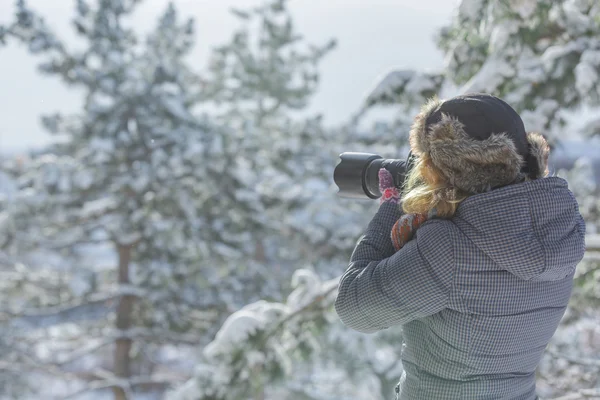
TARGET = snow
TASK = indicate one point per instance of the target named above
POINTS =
(574, 18)
(536, 120)
(8, 187)
(418, 84)
(226, 251)
(142, 183)
(255, 358)
(586, 78)
(115, 57)
(176, 107)
(307, 286)
(529, 69)
(83, 179)
(243, 323)
(99, 144)
(470, 9)
(525, 8)
(38, 44)
(80, 284)
(195, 149)
(99, 206)
(201, 236)
(491, 75)
(389, 83)
(557, 52)
(593, 241)
(500, 38)
(101, 102)
(591, 56)
(408, 82)
(217, 145)
(315, 185)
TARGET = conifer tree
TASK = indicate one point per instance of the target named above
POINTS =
(136, 169)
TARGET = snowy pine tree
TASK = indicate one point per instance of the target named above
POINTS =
(142, 178)
(543, 57)
(295, 349)
(260, 343)
(291, 160)
(169, 191)
(260, 81)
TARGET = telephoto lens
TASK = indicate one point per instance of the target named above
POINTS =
(357, 174)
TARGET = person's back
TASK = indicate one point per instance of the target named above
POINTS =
(514, 252)
(480, 287)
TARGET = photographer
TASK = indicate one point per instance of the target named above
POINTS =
(474, 256)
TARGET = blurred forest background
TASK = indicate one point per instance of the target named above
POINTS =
(179, 236)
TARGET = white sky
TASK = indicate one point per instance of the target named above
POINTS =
(373, 37)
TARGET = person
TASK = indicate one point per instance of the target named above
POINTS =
(474, 257)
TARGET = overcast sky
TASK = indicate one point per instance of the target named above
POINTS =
(373, 35)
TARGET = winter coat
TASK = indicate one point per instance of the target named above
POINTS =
(479, 296)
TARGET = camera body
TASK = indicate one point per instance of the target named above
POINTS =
(357, 174)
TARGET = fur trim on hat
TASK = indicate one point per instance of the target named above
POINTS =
(539, 150)
(474, 166)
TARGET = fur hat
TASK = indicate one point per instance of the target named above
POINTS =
(478, 142)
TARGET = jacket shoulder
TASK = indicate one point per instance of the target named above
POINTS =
(434, 240)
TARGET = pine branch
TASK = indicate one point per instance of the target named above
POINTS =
(82, 352)
(56, 245)
(127, 385)
(94, 308)
(100, 378)
(589, 362)
(581, 394)
(148, 334)
(33, 363)
(317, 300)
(592, 243)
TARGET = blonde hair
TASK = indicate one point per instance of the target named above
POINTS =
(426, 188)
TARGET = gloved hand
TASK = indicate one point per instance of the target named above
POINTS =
(404, 229)
(400, 165)
(389, 191)
(387, 182)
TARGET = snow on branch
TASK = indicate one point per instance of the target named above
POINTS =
(590, 362)
(27, 362)
(96, 307)
(407, 87)
(592, 242)
(82, 352)
(112, 381)
(254, 347)
(32, 29)
(97, 379)
(153, 335)
(581, 394)
(591, 128)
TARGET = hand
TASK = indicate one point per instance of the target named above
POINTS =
(404, 229)
(401, 167)
(389, 192)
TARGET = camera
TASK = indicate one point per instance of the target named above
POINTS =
(357, 174)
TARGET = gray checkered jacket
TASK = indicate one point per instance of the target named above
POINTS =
(479, 295)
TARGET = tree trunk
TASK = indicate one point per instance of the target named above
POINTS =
(260, 253)
(122, 357)
(259, 383)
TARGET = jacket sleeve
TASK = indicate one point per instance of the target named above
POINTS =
(381, 288)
